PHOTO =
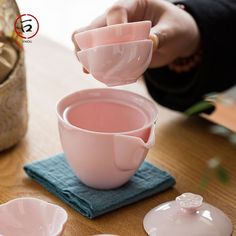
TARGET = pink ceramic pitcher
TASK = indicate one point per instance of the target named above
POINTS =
(106, 160)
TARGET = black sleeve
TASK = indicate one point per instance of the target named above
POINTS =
(216, 20)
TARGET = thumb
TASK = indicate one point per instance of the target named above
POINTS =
(160, 35)
(163, 45)
(116, 15)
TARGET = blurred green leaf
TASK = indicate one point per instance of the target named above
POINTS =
(222, 175)
(203, 106)
(204, 182)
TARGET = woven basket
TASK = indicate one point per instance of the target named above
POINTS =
(13, 106)
(13, 97)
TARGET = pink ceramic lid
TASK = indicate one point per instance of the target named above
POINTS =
(187, 215)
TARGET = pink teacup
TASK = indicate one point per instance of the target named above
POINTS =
(117, 64)
(31, 216)
(113, 34)
(106, 134)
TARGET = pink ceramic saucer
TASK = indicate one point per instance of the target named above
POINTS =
(113, 34)
(117, 64)
(31, 216)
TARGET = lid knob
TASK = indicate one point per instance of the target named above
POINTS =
(189, 202)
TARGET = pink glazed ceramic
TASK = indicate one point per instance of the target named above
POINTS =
(31, 216)
(106, 134)
(113, 34)
(117, 64)
(187, 215)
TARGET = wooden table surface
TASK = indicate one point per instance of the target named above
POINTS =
(183, 147)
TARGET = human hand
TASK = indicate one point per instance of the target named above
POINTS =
(174, 32)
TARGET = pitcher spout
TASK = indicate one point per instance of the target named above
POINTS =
(151, 140)
(131, 151)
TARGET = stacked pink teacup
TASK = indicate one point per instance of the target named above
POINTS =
(116, 54)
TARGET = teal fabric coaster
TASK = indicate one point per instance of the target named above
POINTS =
(56, 176)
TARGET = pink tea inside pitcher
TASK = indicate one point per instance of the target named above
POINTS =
(105, 116)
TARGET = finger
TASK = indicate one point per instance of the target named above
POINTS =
(159, 34)
(116, 15)
(164, 52)
(96, 23)
(158, 39)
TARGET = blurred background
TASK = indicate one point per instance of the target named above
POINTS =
(59, 18)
